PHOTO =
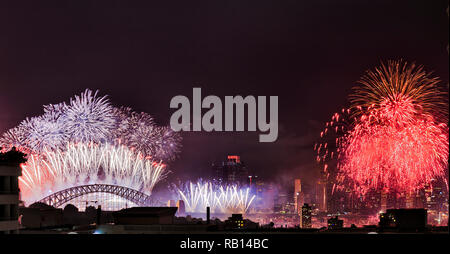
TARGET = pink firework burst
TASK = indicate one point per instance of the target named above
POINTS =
(394, 147)
(398, 140)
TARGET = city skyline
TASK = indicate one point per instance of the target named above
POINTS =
(326, 72)
(208, 117)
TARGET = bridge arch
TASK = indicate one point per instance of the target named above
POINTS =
(61, 197)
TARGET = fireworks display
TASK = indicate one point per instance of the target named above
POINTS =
(90, 141)
(89, 118)
(398, 83)
(391, 138)
(44, 133)
(88, 163)
(221, 199)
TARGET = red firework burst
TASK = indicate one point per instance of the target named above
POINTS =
(395, 143)
(395, 148)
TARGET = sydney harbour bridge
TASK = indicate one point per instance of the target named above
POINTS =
(110, 197)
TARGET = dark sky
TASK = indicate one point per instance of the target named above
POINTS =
(309, 53)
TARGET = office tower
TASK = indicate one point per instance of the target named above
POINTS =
(321, 195)
(231, 171)
(298, 196)
(305, 218)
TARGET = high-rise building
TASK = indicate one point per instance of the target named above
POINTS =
(181, 208)
(438, 196)
(297, 186)
(261, 191)
(231, 171)
(9, 190)
(333, 200)
(305, 218)
(299, 196)
(321, 195)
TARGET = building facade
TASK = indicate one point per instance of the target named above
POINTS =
(9, 190)
(305, 218)
(299, 198)
(231, 171)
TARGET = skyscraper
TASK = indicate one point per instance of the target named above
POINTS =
(321, 195)
(298, 196)
(231, 171)
(305, 218)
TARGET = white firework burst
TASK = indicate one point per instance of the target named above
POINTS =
(55, 111)
(89, 118)
(221, 199)
(14, 137)
(87, 141)
(44, 133)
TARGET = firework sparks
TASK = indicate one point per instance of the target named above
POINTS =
(139, 131)
(393, 141)
(89, 118)
(393, 149)
(14, 137)
(44, 133)
(168, 144)
(87, 141)
(221, 199)
(396, 82)
(88, 163)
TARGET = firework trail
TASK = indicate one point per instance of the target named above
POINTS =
(331, 138)
(391, 138)
(88, 163)
(221, 199)
(397, 82)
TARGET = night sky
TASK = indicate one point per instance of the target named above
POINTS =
(142, 54)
